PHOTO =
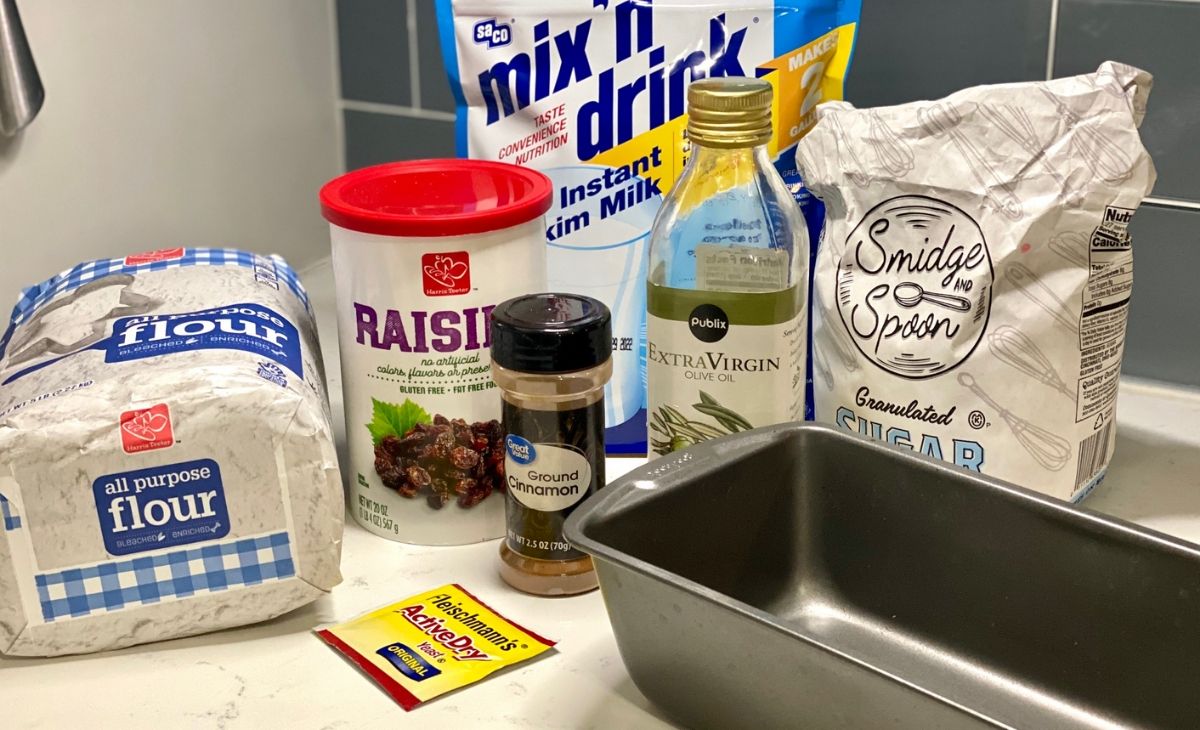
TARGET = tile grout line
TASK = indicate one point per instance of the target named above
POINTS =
(1053, 40)
(395, 110)
(339, 122)
(1171, 203)
(414, 53)
(1051, 46)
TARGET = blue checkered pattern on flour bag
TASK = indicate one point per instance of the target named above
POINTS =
(12, 521)
(32, 298)
(110, 586)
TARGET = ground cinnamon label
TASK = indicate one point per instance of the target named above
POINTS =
(551, 357)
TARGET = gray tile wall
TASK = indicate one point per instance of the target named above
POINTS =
(920, 49)
(397, 104)
(396, 101)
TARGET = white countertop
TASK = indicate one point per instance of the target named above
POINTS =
(278, 674)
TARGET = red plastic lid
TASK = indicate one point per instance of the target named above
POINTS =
(435, 197)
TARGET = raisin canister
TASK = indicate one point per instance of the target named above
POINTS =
(551, 357)
(423, 251)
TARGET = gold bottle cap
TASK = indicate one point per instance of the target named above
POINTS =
(729, 112)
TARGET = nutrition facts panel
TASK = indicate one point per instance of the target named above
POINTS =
(1104, 314)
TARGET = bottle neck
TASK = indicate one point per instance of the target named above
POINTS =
(756, 155)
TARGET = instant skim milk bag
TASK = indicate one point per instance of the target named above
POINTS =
(592, 93)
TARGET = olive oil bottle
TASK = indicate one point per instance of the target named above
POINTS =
(728, 278)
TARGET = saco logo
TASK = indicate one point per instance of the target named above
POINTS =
(492, 33)
(446, 274)
(914, 286)
(247, 327)
(149, 257)
(145, 429)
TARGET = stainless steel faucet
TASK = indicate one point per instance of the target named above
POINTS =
(21, 92)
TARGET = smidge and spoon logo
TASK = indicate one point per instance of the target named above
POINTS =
(914, 286)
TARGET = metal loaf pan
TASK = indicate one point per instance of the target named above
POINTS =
(799, 576)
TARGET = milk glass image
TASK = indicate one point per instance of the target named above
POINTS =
(612, 229)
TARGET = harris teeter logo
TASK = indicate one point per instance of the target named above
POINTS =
(446, 274)
(914, 286)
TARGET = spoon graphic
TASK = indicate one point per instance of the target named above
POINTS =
(909, 294)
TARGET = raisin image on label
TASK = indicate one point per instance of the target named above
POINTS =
(439, 460)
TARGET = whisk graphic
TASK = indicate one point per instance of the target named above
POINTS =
(837, 339)
(821, 366)
(1047, 448)
(1013, 347)
(892, 152)
(1016, 124)
(1105, 158)
(854, 168)
(943, 119)
(1072, 247)
(1025, 282)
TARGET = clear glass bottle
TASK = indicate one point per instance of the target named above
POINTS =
(728, 279)
(551, 357)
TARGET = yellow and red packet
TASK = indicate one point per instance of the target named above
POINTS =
(433, 643)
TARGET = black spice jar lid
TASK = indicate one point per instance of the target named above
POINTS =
(551, 333)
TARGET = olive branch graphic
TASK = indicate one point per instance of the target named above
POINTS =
(676, 431)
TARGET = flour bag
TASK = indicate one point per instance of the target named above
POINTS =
(592, 93)
(974, 277)
(166, 458)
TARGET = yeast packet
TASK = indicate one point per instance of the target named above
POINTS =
(432, 643)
